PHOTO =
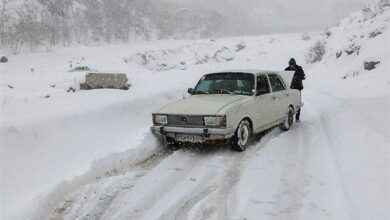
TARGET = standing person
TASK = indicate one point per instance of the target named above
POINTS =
(296, 83)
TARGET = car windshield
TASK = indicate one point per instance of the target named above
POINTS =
(226, 83)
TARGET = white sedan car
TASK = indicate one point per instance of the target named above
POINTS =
(229, 106)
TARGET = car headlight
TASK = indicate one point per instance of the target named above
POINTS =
(215, 121)
(160, 119)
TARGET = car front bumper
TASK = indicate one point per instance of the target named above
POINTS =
(207, 134)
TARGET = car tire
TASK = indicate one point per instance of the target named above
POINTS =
(288, 120)
(242, 136)
(171, 144)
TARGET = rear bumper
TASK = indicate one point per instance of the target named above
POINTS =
(207, 134)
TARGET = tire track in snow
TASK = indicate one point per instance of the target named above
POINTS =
(337, 169)
(154, 187)
(294, 179)
(119, 182)
(297, 178)
(217, 204)
(180, 209)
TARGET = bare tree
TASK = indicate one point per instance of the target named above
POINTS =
(5, 18)
(47, 23)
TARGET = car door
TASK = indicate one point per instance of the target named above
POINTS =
(279, 96)
(263, 102)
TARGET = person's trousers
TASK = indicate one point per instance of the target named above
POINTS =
(299, 110)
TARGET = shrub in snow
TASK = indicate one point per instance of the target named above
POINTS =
(353, 48)
(3, 59)
(71, 89)
(375, 33)
(349, 75)
(375, 8)
(384, 3)
(316, 52)
(327, 33)
(224, 54)
(305, 37)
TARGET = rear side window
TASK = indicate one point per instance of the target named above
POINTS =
(276, 83)
(262, 85)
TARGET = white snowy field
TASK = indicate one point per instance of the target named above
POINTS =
(89, 154)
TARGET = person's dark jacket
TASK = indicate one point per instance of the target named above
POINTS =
(299, 75)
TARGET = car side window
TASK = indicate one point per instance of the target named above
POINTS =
(262, 85)
(276, 83)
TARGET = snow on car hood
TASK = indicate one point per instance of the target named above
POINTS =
(201, 104)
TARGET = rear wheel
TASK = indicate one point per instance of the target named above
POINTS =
(242, 136)
(288, 120)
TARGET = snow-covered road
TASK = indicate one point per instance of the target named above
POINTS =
(291, 175)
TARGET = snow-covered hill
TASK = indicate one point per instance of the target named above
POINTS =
(89, 154)
(358, 40)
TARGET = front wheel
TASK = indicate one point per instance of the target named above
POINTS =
(242, 136)
(171, 144)
(288, 120)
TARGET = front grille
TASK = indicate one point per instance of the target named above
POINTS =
(186, 120)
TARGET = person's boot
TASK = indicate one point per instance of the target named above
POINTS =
(297, 116)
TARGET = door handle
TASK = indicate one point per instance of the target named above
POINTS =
(274, 98)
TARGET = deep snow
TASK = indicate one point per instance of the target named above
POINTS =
(89, 154)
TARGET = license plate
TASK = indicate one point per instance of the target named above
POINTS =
(189, 138)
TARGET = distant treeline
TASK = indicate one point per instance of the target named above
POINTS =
(37, 24)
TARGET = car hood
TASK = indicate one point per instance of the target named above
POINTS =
(208, 104)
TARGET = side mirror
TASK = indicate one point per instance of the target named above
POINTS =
(190, 90)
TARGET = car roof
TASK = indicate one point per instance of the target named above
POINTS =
(252, 71)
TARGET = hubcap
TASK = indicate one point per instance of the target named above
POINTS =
(243, 135)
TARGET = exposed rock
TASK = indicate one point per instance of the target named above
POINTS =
(305, 37)
(338, 54)
(240, 47)
(104, 80)
(3, 59)
(371, 65)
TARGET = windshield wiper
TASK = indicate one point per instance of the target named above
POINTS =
(242, 92)
(201, 92)
(221, 91)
